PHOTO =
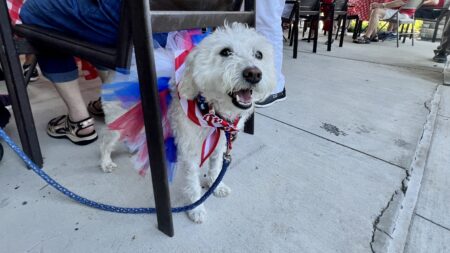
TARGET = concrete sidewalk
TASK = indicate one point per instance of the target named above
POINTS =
(318, 175)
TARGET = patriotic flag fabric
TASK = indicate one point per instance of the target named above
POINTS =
(131, 124)
(14, 10)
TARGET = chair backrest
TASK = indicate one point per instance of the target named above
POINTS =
(195, 5)
(412, 4)
(124, 42)
(309, 5)
(340, 5)
(289, 11)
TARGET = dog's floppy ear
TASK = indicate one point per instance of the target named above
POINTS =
(188, 88)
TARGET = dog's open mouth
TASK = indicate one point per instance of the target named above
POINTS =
(242, 98)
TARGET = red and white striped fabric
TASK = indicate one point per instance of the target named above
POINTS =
(209, 120)
(14, 10)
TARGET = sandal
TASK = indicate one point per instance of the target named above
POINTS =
(95, 108)
(63, 127)
(362, 40)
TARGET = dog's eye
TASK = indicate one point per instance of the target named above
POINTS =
(226, 52)
(258, 55)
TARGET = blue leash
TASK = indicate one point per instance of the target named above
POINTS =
(105, 207)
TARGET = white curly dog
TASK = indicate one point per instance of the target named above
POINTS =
(231, 68)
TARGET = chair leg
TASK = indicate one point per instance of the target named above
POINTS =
(311, 28)
(330, 32)
(436, 28)
(316, 32)
(355, 31)
(17, 90)
(142, 39)
(304, 28)
(404, 36)
(412, 32)
(290, 29)
(398, 27)
(338, 26)
(291, 32)
(360, 28)
(344, 29)
(295, 35)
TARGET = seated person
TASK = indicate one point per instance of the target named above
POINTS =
(91, 20)
(383, 11)
(429, 13)
(440, 54)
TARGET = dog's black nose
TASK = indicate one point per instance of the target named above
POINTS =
(252, 75)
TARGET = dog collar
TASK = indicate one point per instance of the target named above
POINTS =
(201, 114)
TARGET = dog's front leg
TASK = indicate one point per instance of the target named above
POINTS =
(109, 141)
(193, 189)
(215, 166)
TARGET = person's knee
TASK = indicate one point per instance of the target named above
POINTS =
(379, 12)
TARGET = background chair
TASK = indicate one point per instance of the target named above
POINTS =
(139, 19)
(308, 11)
(400, 23)
(338, 11)
(443, 13)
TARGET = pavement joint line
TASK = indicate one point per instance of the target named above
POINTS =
(433, 222)
(335, 142)
(372, 62)
(443, 116)
(384, 232)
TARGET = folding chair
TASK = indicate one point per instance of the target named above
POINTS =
(400, 23)
(139, 19)
(308, 10)
(444, 13)
(338, 10)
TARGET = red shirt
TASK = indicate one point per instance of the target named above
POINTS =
(440, 4)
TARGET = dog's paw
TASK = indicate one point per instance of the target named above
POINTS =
(108, 166)
(197, 215)
(222, 190)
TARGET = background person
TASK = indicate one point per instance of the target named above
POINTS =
(268, 23)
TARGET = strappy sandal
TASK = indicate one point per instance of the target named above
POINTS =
(63, 127)
(95, 108)
(362, 40)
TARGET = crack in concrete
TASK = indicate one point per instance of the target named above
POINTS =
(405, 198)
(377, 220)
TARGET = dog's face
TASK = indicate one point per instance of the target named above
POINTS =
(232, 68)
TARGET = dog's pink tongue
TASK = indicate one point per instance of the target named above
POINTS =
(244, 96)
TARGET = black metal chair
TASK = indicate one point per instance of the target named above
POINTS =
(340, 14)
(309, 11)
(444, 12)
(139, 19)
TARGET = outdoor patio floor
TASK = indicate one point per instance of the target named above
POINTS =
(316, 176)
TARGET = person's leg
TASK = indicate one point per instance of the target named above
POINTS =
(375, 17)
(268, 23)
(63, 72)
(444, 47)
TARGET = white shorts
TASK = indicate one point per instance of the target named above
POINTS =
(391, 12)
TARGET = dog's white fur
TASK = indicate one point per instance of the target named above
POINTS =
(214, 76)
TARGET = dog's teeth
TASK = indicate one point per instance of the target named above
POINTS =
(237, 98)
